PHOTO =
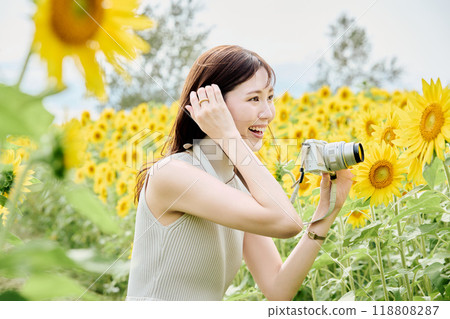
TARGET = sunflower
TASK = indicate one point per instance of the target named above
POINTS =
(311, 132)
(13, 173)
(282, 114)
(306, 185)
(285, 98)
(425, 124)
(90, 168)
(121, 186)
(324, 92)
(83, 28)
(85, 118)
(107, 114)
(364, 125)
(74, 144)
(386, 131)
(123, 206)
(380, 175)
(344, 93)
(357, 218)
(305, 99)
(97, 135)
(4, 212)
(415, 169)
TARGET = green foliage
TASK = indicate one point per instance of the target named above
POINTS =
(22, 114)
(87, 204)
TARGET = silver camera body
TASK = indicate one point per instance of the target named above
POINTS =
(321, 157)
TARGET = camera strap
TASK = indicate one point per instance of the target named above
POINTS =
(332, 203)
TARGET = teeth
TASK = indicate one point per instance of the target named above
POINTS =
(257, 129)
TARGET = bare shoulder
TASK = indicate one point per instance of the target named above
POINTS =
(162, 176)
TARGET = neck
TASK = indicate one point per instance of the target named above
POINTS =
(217, 157)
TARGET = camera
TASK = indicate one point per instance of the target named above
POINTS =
(319, 156)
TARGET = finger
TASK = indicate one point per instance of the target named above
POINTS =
(194, 102)
(210, 93)
(190, 110)
(201, 92)
(325, 178)
(218, 93)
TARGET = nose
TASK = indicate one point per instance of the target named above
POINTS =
(266, 113)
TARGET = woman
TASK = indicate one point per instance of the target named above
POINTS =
(199, 214)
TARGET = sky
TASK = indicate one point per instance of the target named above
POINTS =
(289, 34)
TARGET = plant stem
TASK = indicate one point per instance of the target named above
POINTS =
(313, 287)
(380, 260)
(347, 263)
(424, 254)
(402, 254)
(22, 72)
(447, 174)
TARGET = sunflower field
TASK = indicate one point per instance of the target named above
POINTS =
(67, 190)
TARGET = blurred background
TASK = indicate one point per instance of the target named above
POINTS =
(390, 43)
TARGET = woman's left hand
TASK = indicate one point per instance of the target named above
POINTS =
(344, 181)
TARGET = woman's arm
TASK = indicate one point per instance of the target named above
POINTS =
(281, 281)
(178, 186)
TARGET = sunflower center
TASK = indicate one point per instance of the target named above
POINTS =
(75, 22)
(380, 174)
(356, 214)
(369, 128)
(389, 135)
(6, 181)
(431, 122)
(283, 116)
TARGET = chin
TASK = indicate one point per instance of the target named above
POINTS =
(250, 142)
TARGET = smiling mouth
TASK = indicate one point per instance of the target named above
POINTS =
(256, 133)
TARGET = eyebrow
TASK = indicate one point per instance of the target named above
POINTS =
(259, 91)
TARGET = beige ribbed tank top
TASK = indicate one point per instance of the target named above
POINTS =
(190, 259)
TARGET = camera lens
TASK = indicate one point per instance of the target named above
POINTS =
(358, 152)
(341, 155)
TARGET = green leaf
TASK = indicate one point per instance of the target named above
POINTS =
(2, 200)
(90, 206)
(447, 161)
(322, 260)
(358, 253)
(434, 173)
(22, 114)
(50, 287)
(425, 204)
(93, 261)
(427, 228)
(349, 296)
(33, 257)
(11, 295)
(290, 165)
(367, 232)
(13, 239)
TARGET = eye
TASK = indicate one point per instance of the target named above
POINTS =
(252, 99)
(271, 97)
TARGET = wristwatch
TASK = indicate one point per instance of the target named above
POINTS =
(313, 235)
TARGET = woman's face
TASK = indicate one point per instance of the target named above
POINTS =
(251, 104)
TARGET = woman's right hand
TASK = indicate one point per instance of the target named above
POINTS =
(213, 116)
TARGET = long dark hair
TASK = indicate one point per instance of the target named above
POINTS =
(224, 65)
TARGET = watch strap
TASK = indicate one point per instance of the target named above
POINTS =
(313, 235)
